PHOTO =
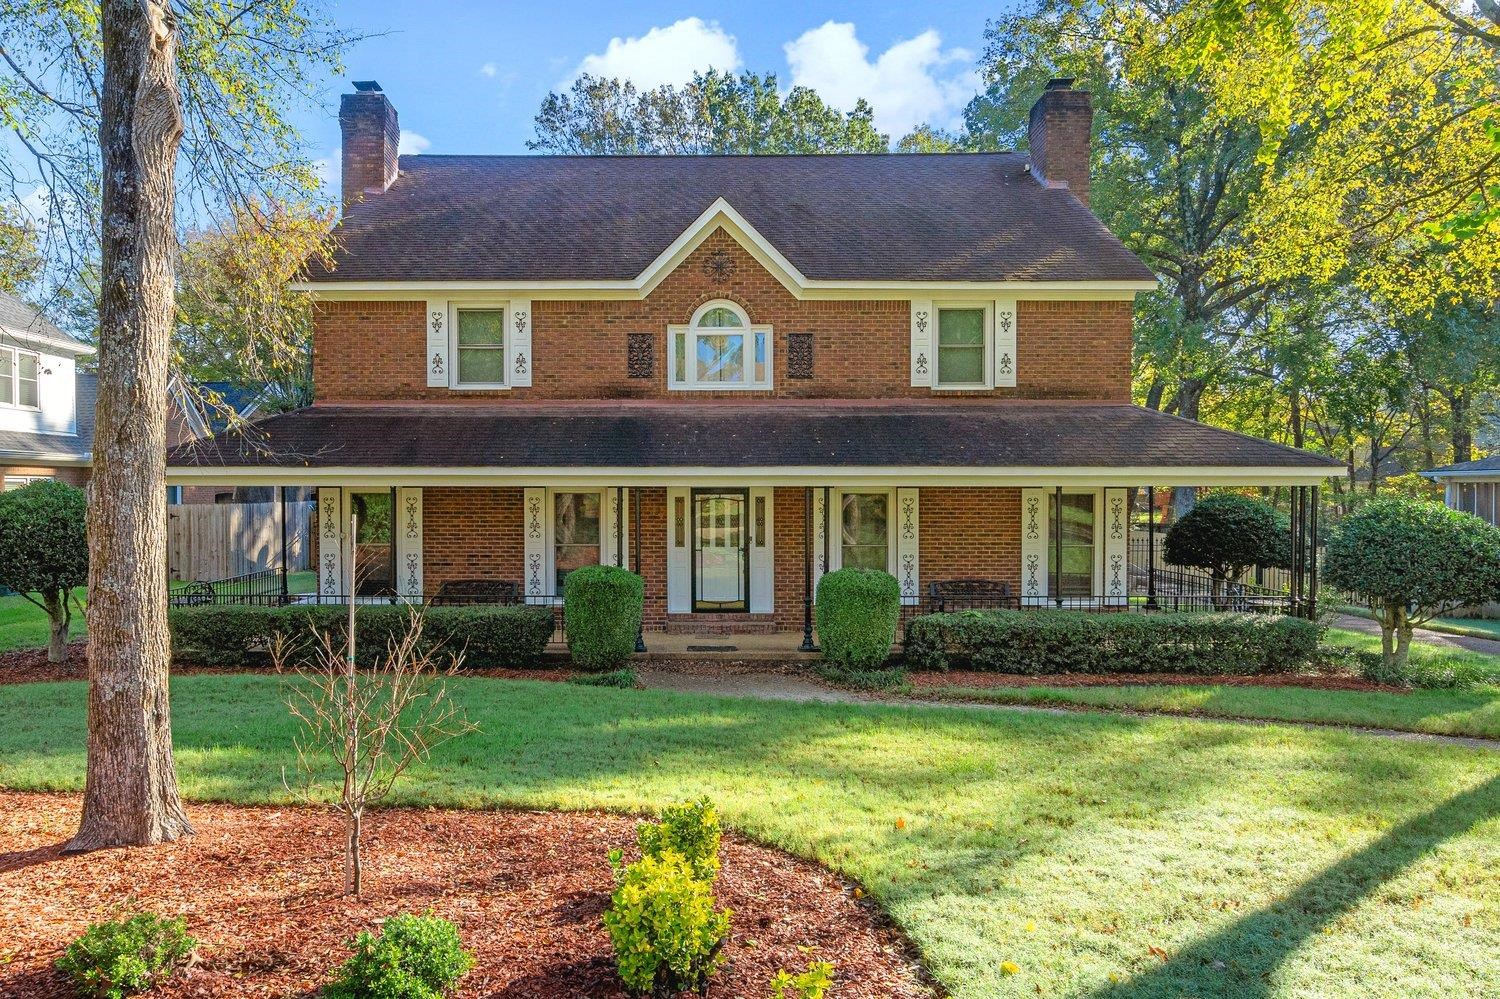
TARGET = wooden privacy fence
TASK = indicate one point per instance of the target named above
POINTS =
(220, 540)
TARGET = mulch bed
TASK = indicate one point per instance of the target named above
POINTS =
(260, 889)
(1311, 681)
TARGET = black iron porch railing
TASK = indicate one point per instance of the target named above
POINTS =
(266, 588)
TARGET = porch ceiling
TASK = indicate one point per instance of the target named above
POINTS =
(647, 442)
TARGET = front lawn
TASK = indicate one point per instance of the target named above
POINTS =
(23, 625)
(1107, 856)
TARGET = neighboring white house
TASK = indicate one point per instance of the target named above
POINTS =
(1471, 486)
(46, 403)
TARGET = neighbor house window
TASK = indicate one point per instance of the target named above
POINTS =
(576, 534)
(1071, 558)
(18, 377)
(865, 534)
(720, 349)
(963, 347)
(481, 346)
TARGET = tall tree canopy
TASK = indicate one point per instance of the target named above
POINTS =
(715, 112)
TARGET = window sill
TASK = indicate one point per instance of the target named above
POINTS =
(719, 387)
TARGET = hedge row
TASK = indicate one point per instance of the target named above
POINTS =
(240, 637)
(1035, 642)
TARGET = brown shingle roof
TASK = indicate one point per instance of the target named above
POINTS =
(953, 433)
(954, 217)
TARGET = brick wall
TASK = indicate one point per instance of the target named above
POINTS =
(971, 533)
(376, 350)
(471, 534)
(73, 475)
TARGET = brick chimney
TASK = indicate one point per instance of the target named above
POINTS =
(1061, 122)
(371, 138)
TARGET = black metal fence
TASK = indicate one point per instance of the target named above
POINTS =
(266, 588)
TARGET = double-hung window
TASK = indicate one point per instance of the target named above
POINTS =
(481, 347)
(963, 346)
(720, 349)
(18, 378)
(577, 532)
(865, 531)
(1071, 566)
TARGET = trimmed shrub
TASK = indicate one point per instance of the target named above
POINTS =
(1037, 642)
(415, 957)
(813, 983)
(602, 607)
(44, 551)
(1227, 535)
(124, 956)
(240, 637)
(858, 610)
(667, 935)
(691, 831)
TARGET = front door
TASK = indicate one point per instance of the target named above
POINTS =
(721, 554)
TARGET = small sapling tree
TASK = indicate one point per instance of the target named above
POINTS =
(1412, 560)
(364, 728)
(1227, 535)
(44, 552)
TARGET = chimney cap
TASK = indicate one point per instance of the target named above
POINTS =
(372, 87)
(1059, 83)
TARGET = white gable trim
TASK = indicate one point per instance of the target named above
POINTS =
(721, 215)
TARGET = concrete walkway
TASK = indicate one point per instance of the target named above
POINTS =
(768, 685)
(1441, 639)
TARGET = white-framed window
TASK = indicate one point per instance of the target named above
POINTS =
(479, 345)
(17, 481)
(719, 349)
(865, 528)
(19, 378)
(1074, 558)
(963, 341)
(577, 532)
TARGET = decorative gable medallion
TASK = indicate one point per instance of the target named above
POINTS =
(799, 355)
(640, 355)
(719, 265)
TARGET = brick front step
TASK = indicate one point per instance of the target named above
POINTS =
(721, 624)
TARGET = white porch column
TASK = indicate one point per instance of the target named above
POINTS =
(534, 510)
(821, 550)
(1033, 547)
(407, 537)
(908, 527)
(679, 552)
(614, 547)
(761, 524)
(1115, 522)
(331, 527)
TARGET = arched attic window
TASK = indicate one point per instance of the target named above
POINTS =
(720, 349)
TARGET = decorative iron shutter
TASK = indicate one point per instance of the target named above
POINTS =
(1116, 526)
(908, 529)
(520, 344)
(1005, 342)
(1034, 546)
(923, 361)
(534, 507)
(614, 547)
(408, 537)
(437, 343)
(330, 542)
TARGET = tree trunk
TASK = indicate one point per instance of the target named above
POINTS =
(56, 602)
(1461, 425)
(354, 874)
(130, 796)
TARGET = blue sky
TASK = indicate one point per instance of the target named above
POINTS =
(467, 77)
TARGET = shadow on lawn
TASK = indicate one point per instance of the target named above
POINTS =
(1241, 959)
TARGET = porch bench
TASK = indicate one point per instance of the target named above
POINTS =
(463, 592)
(968, 594)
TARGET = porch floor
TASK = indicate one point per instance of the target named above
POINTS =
(778, 646)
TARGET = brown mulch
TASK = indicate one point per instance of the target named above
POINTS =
(260, 889)
(1311, 681)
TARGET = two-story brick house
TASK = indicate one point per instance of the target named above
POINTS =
(732, 373)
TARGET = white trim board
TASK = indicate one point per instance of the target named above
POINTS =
(873, 476)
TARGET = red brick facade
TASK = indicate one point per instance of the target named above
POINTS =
(368, 351)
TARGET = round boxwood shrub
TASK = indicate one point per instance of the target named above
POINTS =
(602, 615)
(857, 610)
(1227, 535)
(44, 552)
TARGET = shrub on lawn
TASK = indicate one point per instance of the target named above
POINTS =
(1036, 642)
(124, 956)
(602, 607)
(1412, 560)
(44, 552)
(1227, 535)
(668, 937)
(415, 957)
(691, 831)
(858, 610)
(240, 637)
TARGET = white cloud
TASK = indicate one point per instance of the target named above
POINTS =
(665, 55)
(912, 82)
(489, 69)
(412, 144)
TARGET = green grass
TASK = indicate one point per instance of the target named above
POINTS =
(23, 625)
(1474, 712)
(1430, 665)
(1475, 627)
(1257, 861)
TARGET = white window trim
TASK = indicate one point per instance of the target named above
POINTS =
(454, 308)
(15, 379)
(1097, 586)
(989, 345)
(836, 527)
(691, 331)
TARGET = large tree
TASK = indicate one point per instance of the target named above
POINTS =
(103, 104)
(715, 112)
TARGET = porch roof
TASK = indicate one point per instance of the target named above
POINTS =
(951, 440)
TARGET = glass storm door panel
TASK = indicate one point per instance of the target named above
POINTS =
(720, 554)
(374, 563)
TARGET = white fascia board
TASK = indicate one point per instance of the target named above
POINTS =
(45, 341)
(885, 476)
(45, 458)
(1466, 474)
